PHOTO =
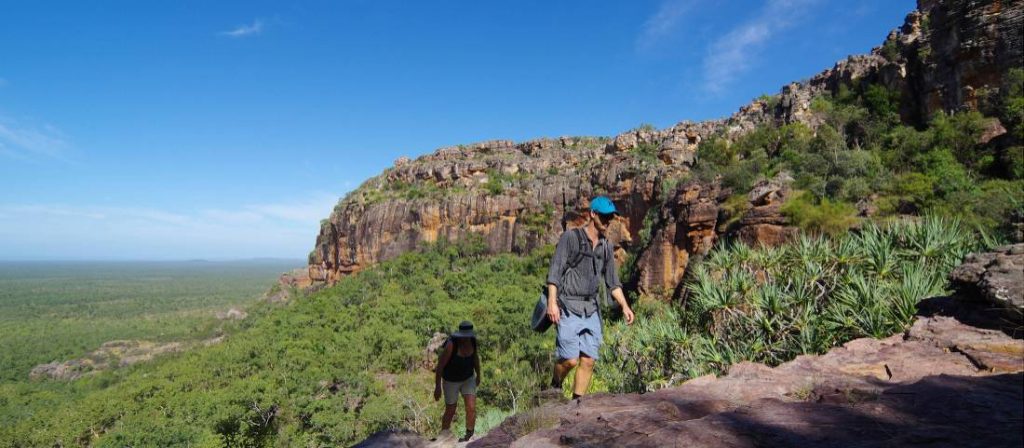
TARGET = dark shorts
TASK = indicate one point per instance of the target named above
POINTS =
(452, 389)
(578, 335)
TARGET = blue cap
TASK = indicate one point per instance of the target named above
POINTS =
(602, 205)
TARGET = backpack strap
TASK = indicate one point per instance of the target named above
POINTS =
(576, 254)
(575, 258)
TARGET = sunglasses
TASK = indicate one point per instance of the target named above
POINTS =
(606, 216)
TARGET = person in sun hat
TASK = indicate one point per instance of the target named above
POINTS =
(458, 372)
(583, 259)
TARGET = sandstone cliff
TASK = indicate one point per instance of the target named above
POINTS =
(948, 55)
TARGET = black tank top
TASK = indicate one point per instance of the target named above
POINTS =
(459, 368)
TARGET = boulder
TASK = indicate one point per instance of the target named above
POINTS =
(676, 151)
(995, 277)
(763, 224)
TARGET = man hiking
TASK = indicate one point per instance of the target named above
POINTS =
(583, 258)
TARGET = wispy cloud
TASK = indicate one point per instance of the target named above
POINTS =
(23, 141)
(732, 54)
(660, 25)
(65, 231)
(309, 211)
(245, 30)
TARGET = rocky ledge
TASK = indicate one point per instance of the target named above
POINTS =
(942, 383)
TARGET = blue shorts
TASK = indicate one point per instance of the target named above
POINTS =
(578, 335)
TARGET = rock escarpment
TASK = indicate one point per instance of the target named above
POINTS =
(948, 55)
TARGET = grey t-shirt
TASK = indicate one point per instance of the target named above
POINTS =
(582, 281)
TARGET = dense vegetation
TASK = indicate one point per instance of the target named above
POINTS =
(771, 304)
(863, 153)
(333, 367)
(326, 370)
(55, 311)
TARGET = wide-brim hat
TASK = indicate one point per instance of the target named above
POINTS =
(465, 330)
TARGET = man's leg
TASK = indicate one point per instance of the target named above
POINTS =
(562, 369)
(567, 347)
(584, 372)
(590, 347)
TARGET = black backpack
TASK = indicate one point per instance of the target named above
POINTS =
(539, 321)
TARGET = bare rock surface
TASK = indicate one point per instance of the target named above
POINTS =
(297, 278)
(409, 439)
(942, 383)
(763, 224)
(685, 227)
(111, 354)
(231, 314)
(396, 439)
(995, 277)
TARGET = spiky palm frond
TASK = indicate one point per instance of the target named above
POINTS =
(772, 304)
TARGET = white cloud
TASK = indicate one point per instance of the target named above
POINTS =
(65, 231)
(245, 30)
(309, 210)
(23, 141)
(670, 13)
(732, 54)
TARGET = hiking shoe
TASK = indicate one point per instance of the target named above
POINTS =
(465, 438)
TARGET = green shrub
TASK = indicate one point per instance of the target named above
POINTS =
(498, 181)
(821, 216)
(883, 103)
(890, 50)
(647, 152)
(1013, 109)
(960, 133)
(539, 222)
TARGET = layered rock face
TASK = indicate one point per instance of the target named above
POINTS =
(515, 196)
(948, 55)
(686, 227)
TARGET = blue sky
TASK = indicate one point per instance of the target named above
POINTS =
(198, 129)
